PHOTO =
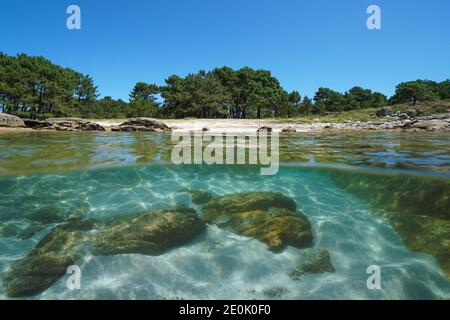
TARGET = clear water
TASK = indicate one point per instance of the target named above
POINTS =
(117, 174)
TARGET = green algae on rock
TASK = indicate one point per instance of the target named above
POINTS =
(52, 214)
(313, 261)
(249, 201)
(152, 233)
(48, 261)
(417, 208)
(425, 234)
(267, 216)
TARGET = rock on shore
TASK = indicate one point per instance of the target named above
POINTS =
(63, 124)
(10, 121)
(142, 124)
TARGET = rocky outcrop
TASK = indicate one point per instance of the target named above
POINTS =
(267, 216)
(10, 121)
(37, 124)
(440, 122)
(429, 125)
(74, 124)
(142, 124)
(289, 130)
(64, 124)
(384, 112)
(150, 234)
(265, 129)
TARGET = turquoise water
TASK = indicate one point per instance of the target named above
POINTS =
(108, 176)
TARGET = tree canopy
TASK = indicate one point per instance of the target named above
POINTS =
(34, 87)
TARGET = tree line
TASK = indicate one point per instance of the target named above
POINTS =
(34, 87)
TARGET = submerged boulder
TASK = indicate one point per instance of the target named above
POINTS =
(313, 261)
(48, 261)
(10, 121)
(142, 124)
(152, 233)
(53, 214)
(425, 234)
(248, 201)
(267, 216)
(275, 292)
(417, 207)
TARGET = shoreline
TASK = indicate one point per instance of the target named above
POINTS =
(439, 122)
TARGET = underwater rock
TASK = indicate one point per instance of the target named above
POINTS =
(267, 216)
(152, 233)
(199, 196)
(47, 214)
(275, 292)
(9, 230)
(248, 201)
(417, 208)
(53, 214)
(425, 234)
(29, 232)
(401, 194)
(313, 261)
(48, 261)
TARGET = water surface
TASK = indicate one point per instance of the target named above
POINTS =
(351, 186)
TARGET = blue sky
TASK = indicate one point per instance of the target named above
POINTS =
(306, 44)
